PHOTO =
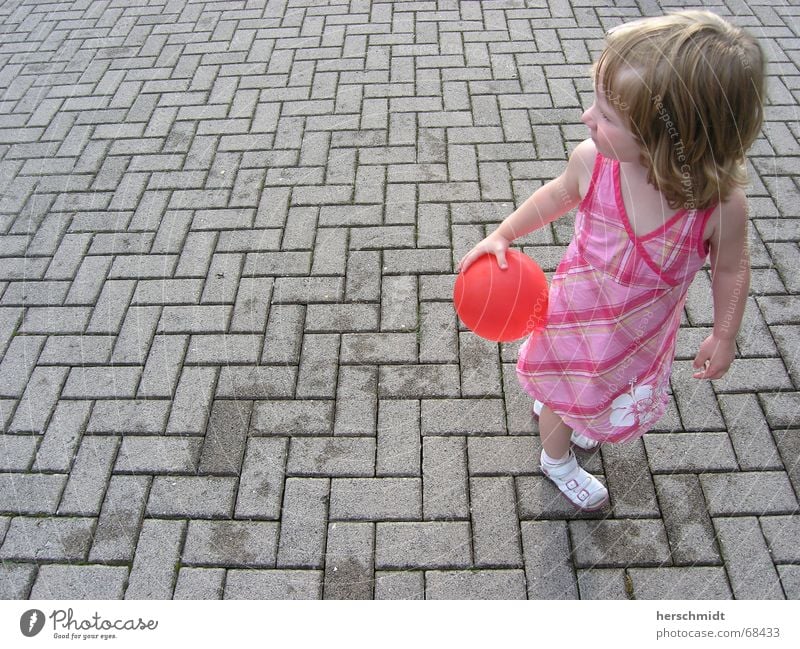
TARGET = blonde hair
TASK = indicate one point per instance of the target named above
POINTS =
(691, 87)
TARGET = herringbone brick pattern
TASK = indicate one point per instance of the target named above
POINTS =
(230, 365)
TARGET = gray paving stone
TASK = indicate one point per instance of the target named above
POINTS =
(304, 521)
(385, 499)
(477, 584)
(787, 338)
(690, 452)
(226, 436)
(748, 431)
(341, 317)
(445, 494)
(689, 529)
(399, 296)
(19, 362)
(252, 305)
(548, 569)
(167, 291)
(256, 382)
(399, 585)
(619, 543)
(790, 579)
(761, 374)
(230, 543)
(422, 545)
(495, 528)
(153, 572)
(781, 409)
(629, 481)
(22, 493)
(6, 411)
(192, 402)
(135, 335)
(79, 582)
(261, 484)
(48, 539)
(378, 348)
(503, 455)
(16, 580)
(699, 582)
(110, 307)
(750, 569)
(305, 290)
(192, 497)
(158, 454)
(349, 551)
(62, 436)
(779, 531)
(199, 583)
(163, 366)
(480, 367)
(310, 417)
(55, 320)
(273, 584)
(696, 400)
(326, 456)
(88, 478)
(17, 452)
(77, 350)
(39, 399)
(120, 519)
(398, 438)
(207, 318)
(602, 583)
(140, 417)
(104, 382)
(438, 333)
(356, 401)
(757, 493)
(418, 381)
(316, 377)
(463, 417)
(789, 445)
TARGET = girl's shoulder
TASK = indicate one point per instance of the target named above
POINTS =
(728, 217)
(581, 165)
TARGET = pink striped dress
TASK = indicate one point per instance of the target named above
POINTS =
(603, 361)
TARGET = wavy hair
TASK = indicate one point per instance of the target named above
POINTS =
(691, 87)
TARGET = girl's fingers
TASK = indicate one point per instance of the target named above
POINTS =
(501, 259)
(710, 371)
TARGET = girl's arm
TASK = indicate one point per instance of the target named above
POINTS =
(730, 283)
(547, 203)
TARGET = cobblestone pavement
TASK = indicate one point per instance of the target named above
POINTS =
(230, 364)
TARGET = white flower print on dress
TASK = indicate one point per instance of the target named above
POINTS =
(634, 408)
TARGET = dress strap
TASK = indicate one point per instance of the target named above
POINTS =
(598, 165)
(701, 219)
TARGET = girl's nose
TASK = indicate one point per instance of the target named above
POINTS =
(586, 118)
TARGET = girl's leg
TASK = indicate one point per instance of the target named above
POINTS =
(555, 434)
(560, 465)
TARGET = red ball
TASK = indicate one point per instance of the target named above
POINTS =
(502, 305)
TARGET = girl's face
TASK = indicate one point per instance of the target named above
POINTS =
(609, 132)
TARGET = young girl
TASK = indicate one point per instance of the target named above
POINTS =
(659, 184)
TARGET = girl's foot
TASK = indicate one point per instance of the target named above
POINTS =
(581, 441)
(582, 489)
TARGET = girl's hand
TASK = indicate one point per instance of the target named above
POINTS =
(495, 243)
(715, 357)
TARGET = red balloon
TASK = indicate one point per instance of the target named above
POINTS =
(502, 305)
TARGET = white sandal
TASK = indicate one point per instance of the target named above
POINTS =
(581, 441)
(581, 488)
